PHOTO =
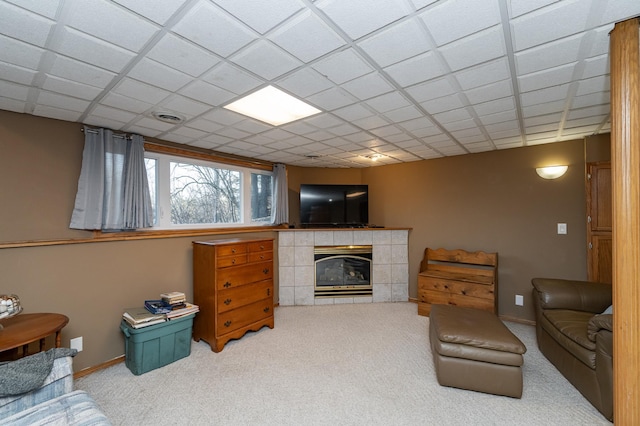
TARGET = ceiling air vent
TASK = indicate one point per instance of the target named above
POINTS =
(168, 117)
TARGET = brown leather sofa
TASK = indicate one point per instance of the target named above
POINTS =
(575, 335)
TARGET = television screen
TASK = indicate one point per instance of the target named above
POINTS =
(334, 205)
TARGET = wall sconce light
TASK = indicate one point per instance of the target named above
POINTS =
(551, 172)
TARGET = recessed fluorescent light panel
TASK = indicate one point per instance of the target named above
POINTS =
(272, 106)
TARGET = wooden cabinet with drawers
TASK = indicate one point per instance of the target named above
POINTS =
(233, 286)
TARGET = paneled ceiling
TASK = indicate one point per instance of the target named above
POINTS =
(407, 79)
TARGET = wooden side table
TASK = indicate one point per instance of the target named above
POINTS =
(23, 329)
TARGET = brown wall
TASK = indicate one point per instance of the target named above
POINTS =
(492, 201)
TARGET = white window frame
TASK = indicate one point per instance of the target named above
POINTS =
(163, 202)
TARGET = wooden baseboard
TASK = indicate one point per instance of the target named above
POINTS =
(98, 367)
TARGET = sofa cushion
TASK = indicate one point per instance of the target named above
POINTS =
(569, 329)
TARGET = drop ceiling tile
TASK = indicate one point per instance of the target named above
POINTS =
(231, 78)
(388, 102)
(185, 106)
(319, 135)
(546, 95)
(204, 125)
(426, 132)
(502, 126)
(242, 145)
(261, 16)
(206, 26)
(504, 134)
(81, 72)
(438, 141)
(370, 122)
(548, 55)
(484, 74)
(418, 123)
(360, 17)
(252, 126)
(542, 119)
(207, 93)
(396, 43)
(409, 143)
(600, 43)
(266, 60)
(461, 125)
(173, 137)
(15, 91)
(343, 130)
(94, 51)
(553, 22)
(498, 105)
(60, 101)
(544, 108)
(150, 9)
(16, 74)
(24, 25)
(57, 113)
(122, 102)
(97, 121)
(113, 114)
(305, 82)
(446, 103)
(140, 91)
(550, 127)
(431, 89)
(599, 110)
(353, 112)
(67, 87)
(182, 55)
(480, 47)
(478, 146)
(217, 140)
(233, 133)
(453, 150)
(299, 128)
(415, 70)
(453, 115)
(152, 123)
(467, 133)
(385, 131)
(358, 137)
(154, 73)
(470, 16)
(140, 130)
(593, 85)
(110, 23)
(367, 86)
(44, 8)
(490, 92)
(620, 10)
(261, 150)
(508, 143)
(343, 66)
(598, 98)
(520, 7)
(331, 99)
(545, 137)
(403, 114)
(19, 53)
(306, 37)
(547, 78)
(596, 66)
(324, 121)
(498, 117)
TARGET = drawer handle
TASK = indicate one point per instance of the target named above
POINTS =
(233, 250)
(265, 310)
(227, 323)
(261, 247)
(261, 256)
(226, 302)
(266, 271)
(227, 284)
(233, 261)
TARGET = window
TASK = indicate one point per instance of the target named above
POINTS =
(188, 193)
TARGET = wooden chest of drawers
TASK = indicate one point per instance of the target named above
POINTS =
(458, 277)
(233, 286)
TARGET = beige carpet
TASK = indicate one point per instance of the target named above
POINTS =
(366, 364)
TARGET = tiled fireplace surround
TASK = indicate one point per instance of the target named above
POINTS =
(389, 270)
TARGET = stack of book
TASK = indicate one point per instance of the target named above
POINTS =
(141, 317)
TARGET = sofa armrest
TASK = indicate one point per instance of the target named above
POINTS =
(597, 323)
(553, 293)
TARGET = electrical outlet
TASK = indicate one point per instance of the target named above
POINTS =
(76, 344)
(519, 300)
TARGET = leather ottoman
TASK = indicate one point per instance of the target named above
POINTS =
(474, 350)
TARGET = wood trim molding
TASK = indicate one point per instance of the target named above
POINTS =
(98, 367)
(625, 169)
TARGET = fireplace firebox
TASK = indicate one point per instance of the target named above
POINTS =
(343, 271)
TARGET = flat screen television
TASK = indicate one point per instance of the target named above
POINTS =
(334, 205)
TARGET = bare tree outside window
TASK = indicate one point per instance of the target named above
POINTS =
(202, 194)
(261, 187)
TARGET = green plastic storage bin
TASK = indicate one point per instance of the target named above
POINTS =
(155, 346)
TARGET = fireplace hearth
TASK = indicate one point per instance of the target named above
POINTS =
(342, 271)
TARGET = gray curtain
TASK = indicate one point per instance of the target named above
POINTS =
(113, 192)
(280, 205)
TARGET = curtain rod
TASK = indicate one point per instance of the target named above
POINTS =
(95, 132)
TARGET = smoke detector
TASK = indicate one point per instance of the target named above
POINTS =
(168, 117)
